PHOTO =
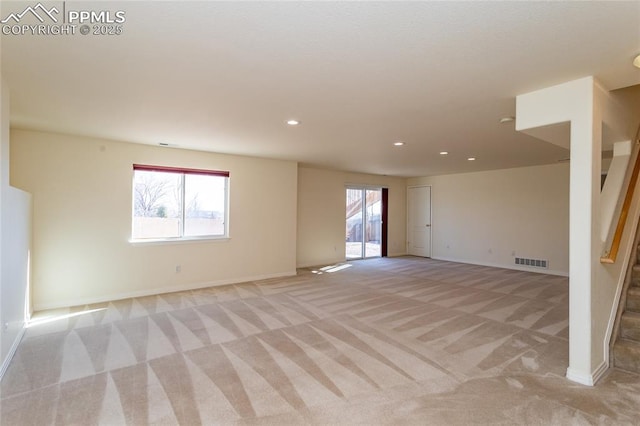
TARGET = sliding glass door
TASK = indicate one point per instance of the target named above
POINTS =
(363, 223)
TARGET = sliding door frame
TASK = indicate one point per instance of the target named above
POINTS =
(384, 213)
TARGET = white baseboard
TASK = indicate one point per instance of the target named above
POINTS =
(509, 266)
(600, 371)
(157, 290)
(12, 352)
(588, 379)
(396, 254)
(578, 377)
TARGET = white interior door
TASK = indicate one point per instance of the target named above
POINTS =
(419, 220)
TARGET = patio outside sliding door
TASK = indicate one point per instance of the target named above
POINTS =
(363, 223)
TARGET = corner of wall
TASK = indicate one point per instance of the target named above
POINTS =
(15, 241)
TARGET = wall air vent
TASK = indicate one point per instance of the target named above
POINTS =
(535, 263)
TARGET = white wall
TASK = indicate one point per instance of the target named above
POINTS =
(489, 218)
(15, 224)
(321, 214)
(82, 220)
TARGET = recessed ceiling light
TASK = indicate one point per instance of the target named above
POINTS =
(636, 61)
(471, 159)
(399, 143)
(293, 122)
(444, 152)
(507, 119)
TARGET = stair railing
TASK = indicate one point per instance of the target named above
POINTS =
(615, 331)
(611, 255)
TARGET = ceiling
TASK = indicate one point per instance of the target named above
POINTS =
(225, 76)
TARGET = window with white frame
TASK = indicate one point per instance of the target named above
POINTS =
(175, 203)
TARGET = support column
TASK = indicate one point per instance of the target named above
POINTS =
(545, 114)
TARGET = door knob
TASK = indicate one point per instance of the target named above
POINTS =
(428, 225)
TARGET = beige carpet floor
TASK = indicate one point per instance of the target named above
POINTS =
(384, 341)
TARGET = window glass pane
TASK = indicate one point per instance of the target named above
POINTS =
(205, 202)
(157, 204)
(354, 237)
(163, 199)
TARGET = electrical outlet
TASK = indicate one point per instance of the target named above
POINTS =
(5, 327)
(178, 269)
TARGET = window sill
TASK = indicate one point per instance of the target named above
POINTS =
(186, 240)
